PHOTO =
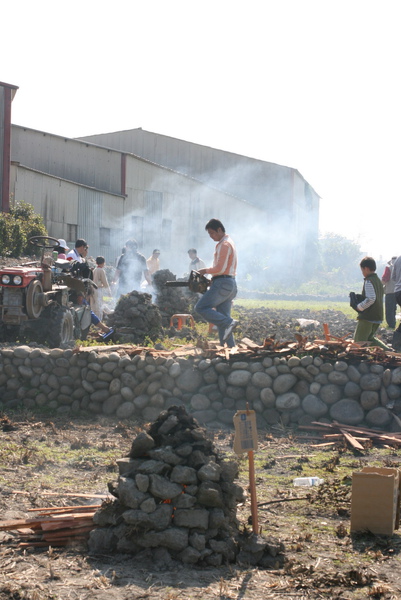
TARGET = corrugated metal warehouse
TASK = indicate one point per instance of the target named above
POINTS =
(160, 190)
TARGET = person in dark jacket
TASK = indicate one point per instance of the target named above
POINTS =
(131, 269)
(390, 303)
(370, 309)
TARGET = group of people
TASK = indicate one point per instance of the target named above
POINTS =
(98, 276)
(378, 296)
(392, 288)
(132, 267)
(216, 303)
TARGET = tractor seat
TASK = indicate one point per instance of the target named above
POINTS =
(64, 265)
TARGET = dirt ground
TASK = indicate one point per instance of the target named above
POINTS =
(39, 456)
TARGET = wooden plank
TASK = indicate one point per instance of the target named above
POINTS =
(61, 524)
(250, 344)
(311, 428)
(67, 533)
(19, 523)
(351, 440)
(58, 509)
(340, 436)
(69, 494)
(322, 445)
(43, 523)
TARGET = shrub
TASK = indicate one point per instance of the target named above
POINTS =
(16, 227)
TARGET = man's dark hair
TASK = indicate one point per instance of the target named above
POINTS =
(79, 243)
(100, 260)
(368, 262)
(133, 244)
(215, 224)
(192, 250)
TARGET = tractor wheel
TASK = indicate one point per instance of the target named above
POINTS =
(61, 327)
(34, 297)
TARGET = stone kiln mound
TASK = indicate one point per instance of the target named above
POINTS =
(135, 318)
(170, 300)
(176, 499)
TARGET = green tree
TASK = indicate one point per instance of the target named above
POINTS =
(16, 227)
(339, 257)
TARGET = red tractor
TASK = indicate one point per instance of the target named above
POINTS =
(37, 300)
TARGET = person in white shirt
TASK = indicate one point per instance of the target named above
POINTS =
(153, 262)
(79, 252)
(196, 262)
(100, 279)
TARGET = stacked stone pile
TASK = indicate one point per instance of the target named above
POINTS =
(176, 498)
(135, 318)
(293, 391)
(170, 300)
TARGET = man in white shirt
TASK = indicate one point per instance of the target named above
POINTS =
(196, 262)
(79, 252)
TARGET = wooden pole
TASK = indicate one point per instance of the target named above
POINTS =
(326, 332)
(252, 487)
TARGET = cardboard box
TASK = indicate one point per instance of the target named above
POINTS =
(375, 502)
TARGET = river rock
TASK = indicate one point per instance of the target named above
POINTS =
(239, 378)
(393, 391)
(261, 380)
(338, 377)
(369, 399)
(352, 390)
(283, 383)
(268, 397)
(313, 406)
(347, 411)
(370, 381)
(189, 381)
(200, 402)
(288, 401)
(330, 393)
(379, 417)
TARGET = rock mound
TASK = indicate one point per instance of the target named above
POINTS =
(176, 496)
(135, 318)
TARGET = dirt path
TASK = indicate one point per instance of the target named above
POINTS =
(39, 455)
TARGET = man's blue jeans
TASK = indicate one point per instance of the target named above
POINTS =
(215, 306)
(391, 309)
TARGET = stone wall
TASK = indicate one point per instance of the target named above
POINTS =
(292, 391)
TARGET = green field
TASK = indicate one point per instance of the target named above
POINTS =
(344, 307)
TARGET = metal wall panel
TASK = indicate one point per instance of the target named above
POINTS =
(281, 192)
(90, 218)
(69, 159)
(62, 203)
(2, 100)
(186, 206)
(253, 180)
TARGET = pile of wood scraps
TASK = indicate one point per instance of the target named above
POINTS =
(354, 436)
(54, 526)
(330, 347)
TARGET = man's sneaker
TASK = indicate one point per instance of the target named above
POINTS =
(106, 336)
(230, 329)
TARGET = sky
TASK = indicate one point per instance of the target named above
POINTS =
(309, 84)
